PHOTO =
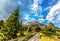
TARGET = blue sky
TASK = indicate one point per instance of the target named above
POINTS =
(43, 11)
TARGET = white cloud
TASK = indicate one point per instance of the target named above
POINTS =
(54, 12)
(40, 1)
(26, 17)
(41, 16)
(51, 1)
(58, 16)
(36, 14)
(47, 8)
(32, 19)
(20, 3)
(41, 20)
(7, 7)
(57, 12)
(35, 7)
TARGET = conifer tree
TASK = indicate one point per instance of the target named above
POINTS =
(12, 25)
(51, 27)
(1, 24)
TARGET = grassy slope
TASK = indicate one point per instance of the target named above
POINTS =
(49, 36)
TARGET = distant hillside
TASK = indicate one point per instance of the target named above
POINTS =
(37, 24)
(34, 23)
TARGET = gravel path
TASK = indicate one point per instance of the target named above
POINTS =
(35, 38)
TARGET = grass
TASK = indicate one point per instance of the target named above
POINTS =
(45, 36)
(50, 36)
(27, 36)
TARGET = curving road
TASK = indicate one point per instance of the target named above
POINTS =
(35, 38)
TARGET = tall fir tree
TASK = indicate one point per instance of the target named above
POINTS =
(12, 25)
(1, 24)
(51, 27)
